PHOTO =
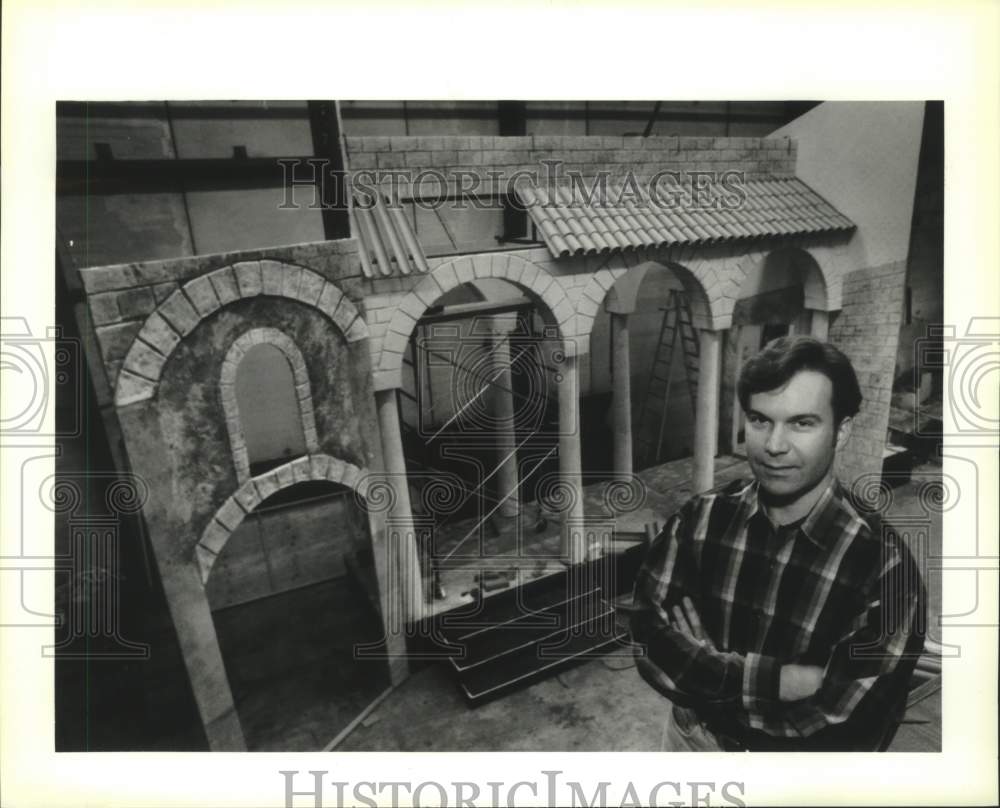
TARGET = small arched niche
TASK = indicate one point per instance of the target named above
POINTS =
(267, 401)
(269, 408)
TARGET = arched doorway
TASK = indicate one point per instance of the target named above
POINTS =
(660, 365)
(479, 412)
(288, 616)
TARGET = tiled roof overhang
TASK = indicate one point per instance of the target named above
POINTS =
(388, 245)
(629, 217)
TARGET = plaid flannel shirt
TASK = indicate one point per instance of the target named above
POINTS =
(839, 592)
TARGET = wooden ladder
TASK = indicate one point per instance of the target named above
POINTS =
(653, 415)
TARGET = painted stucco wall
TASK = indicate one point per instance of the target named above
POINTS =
(862, 157)
(190, 416)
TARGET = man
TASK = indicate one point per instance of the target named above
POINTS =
(773, 613)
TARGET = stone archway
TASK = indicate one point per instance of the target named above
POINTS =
(558, 310)
(617, 290)
(180, 314)
(313, 467)
(514, 269)
(227, 392)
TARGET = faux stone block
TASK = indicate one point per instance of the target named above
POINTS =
(446, 277)
(155, 272)
(310, 287)
(104, 308)
(104, 279)
(178, 311)
(136, 302)
(395, 343)
(402, 323)
(144, 361)
(202, 295)
(350, 476)
(345, 314)
(132, 389)
(414, 307)
(335, 470)
(248, 278)
(161, 291)
(329, 300)
(428, 290)
(267, 484)
(241, 458)
(318, 465)
(498, 265)
(387, 379)
(205, 559)
(284, 475)
(291, 278)
(230, 515)
(115, 340)
(224, 281)
(247, 496)
(272, 277)
(358, 330)
(301, 469)
(214, 537)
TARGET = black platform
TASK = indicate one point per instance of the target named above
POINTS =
(518, 635)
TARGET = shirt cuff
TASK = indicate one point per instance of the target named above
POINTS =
(761, 682)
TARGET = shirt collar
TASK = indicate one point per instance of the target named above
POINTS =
(818, 521)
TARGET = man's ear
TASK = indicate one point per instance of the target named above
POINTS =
(844, 432)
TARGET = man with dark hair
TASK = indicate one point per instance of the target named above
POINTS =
(773, 613)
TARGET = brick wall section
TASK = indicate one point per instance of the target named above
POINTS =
(586, 154)
(122, 296)
(867, 330)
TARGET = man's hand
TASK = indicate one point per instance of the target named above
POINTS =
(799, 681)
(688, 623)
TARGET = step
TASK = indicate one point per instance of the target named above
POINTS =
(487, 681)
(495, 612)
(516, 635)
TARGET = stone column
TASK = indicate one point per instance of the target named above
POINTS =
(503, 415)
(199, 645)
(621, 396)
(706, 422)
(820, 324)
(399, 523)
(570, 470)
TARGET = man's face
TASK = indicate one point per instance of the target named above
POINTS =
(791, 437)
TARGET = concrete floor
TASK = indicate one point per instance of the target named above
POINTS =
(600, 705)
